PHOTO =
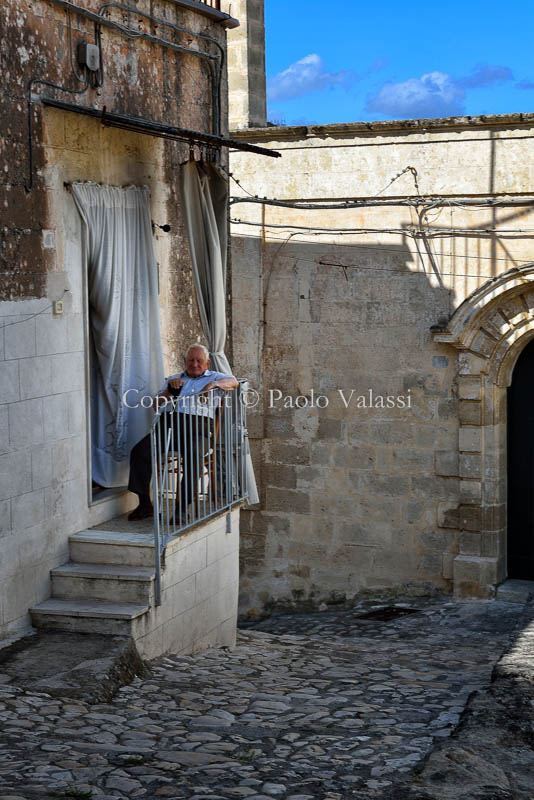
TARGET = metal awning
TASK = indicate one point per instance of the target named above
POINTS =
(151, 128)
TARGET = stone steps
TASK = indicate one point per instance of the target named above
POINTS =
(88, 616)
(107, 587)
(515, 590)
(112, 582)
(112, 547)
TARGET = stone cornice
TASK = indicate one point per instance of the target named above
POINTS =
(345, 129)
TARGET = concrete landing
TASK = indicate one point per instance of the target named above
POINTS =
(82, 666)
(514, 590)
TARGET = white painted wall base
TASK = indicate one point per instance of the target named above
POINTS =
(200, 585)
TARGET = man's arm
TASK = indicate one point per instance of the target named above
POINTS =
(227, 384)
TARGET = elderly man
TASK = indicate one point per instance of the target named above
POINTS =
(195, 379)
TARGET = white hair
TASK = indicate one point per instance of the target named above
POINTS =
(198, 346)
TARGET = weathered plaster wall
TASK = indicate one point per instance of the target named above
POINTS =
(356, 499)
(44, 493)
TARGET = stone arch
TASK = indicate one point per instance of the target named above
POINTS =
(489, 329)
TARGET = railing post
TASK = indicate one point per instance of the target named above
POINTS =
(154, 433)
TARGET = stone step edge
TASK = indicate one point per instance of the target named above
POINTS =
(80, 569)
(114, 538)
(96, 609)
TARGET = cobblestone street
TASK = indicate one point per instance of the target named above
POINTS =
(324, 705)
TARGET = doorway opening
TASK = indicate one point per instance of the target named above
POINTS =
(125, 352)
(521, 467)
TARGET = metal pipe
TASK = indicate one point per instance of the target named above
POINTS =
(151, 128)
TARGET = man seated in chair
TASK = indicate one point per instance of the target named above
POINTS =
(196, 378)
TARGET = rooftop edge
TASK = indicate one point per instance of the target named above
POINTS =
(278, 132)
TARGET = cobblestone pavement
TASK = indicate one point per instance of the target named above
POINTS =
(327, 705)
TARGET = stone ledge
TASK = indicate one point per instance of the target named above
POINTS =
(277, 132)
(65, 664)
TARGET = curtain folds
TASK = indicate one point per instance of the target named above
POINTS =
(126, 351)
(205, 198)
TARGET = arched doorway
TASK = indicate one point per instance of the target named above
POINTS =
(521, 467)
(491, 330)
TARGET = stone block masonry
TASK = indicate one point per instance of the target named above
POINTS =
(385, 495)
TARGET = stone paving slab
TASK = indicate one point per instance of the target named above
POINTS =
(328, 705)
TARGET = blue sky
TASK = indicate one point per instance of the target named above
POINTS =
(348, 60)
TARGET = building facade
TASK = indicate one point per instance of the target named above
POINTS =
(381, 304)
(83, 86)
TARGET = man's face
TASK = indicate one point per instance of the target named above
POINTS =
(196, 362)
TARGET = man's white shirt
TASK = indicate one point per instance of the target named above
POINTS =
(204, 405)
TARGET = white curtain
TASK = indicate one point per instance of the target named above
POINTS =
(205, 198)
(126, 351)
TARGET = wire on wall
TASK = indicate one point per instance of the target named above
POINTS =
(32, 316)
(412, 231)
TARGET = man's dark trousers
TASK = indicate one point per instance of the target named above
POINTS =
(191, 437)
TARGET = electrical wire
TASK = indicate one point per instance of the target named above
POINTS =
(179, 28)
(414, 202)
(407, 200)
(80, 78)
(399, 174)
(439, 253)
(398, 271)
(433, 232)
(28, 185)
(236, 181)
(32, 316)
(397, 142)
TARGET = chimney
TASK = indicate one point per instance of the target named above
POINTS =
(246, 65)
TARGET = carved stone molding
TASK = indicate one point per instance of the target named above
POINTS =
(489, 329)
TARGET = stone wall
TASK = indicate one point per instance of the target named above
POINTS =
(44, 480)
(246, 65)
(356, 497)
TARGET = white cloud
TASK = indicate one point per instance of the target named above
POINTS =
(432, 95)
(486, 75)
(435, 94)
(302, 77)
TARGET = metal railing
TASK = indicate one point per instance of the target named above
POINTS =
(213, 3)
(198, 461)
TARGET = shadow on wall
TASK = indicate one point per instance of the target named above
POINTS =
(355, 403)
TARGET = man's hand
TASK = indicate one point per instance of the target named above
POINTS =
(175, 383)
(173, 388)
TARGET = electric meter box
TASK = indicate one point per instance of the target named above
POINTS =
(89, 56)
